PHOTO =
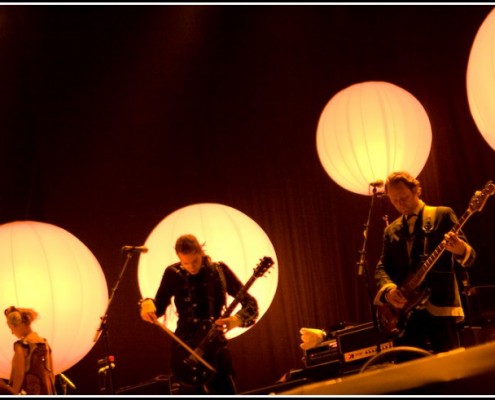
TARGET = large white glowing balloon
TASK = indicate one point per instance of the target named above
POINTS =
(480, 79)
(370, 129)
(46, 268)
(229, 236)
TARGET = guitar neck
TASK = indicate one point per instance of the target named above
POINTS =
(237, 297)
(417, 278)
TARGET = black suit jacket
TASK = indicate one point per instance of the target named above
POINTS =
(395, 265)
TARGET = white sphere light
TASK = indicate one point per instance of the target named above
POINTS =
(480, 79)
(46, 268)
(370, 129)
(229, 236)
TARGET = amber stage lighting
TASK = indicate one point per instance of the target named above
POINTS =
(480, 79)
(46, 268)
(229, 236)
(369, 130)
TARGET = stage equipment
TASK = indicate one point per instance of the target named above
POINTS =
(369, 130)
(160, 385)
(390, 356)
(480, 79)
(327, 351)
(348, 345)
(47, 268)
(344, 354)
(480, 316)
(228, 235)
(64, 382)
(458, 372)
(361, 342)
(481, 306)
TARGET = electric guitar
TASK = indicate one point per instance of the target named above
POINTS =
(193, 364)
(393, 320)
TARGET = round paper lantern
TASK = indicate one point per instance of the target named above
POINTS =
(480, 79)
(369, 130)
(46, 268)
(229, 236)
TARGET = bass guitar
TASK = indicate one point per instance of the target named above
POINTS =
(393, 320)
(193, 364)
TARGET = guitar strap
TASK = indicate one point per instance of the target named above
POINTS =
(429, 214)
(223, 281)
(213, 294)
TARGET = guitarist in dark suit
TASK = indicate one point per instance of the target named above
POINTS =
(199, 287)
(432, 323)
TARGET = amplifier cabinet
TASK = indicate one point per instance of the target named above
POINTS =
(324, 352)
(344, 354)
(360, 342)
(348, 345)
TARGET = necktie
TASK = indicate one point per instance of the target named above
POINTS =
(409, 222)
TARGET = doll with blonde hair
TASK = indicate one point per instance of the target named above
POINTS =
(32, 364)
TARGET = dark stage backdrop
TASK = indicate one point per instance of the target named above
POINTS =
(113, 117)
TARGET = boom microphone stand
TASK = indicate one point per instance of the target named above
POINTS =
(363, 264)
(105, 372)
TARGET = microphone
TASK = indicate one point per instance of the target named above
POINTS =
(378, 183)
(106, 368)
(67, 381)
(106, 360)
(106, 363)
(135, 249)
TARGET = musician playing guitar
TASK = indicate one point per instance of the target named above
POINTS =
(199, 287)
(432, 321)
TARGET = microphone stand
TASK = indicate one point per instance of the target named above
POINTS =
(363, 267)
(64, 382)
(107, 362)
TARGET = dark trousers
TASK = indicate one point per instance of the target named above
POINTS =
(434, 334)
(222, 383)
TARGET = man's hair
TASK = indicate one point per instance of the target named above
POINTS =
(401, 176)
(188, 244)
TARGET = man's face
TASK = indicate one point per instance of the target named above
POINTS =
(403, 199)
(191, 262)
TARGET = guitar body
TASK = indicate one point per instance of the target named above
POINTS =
(207, 343)
(393, 320)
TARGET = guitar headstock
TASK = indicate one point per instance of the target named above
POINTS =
(263, 266)
(481, 196)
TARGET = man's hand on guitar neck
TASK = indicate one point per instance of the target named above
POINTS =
(454, 244)
(226, 324)
(395, 297)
